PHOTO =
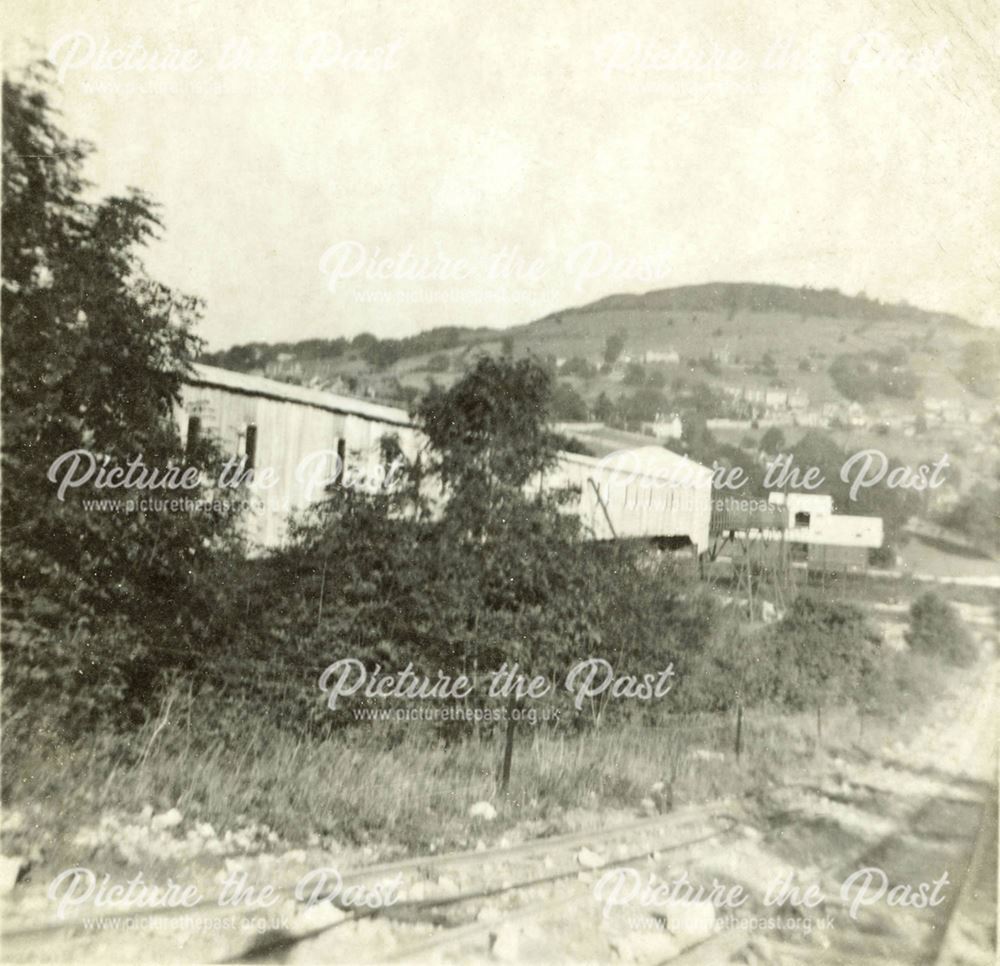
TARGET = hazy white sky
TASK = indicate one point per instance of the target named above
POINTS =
(528, 156)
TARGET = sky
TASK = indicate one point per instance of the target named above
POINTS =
(329, 168)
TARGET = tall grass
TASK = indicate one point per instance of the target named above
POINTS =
(405, 786)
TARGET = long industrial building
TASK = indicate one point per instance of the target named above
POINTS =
(303, 436)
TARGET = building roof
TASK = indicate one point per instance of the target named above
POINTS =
(602, 440)
(818, 503)
(846, 531)
(240, 382)
(653, 461)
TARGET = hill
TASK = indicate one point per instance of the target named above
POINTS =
(731, 336)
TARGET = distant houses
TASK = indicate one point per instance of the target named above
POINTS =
(671, 357)
(664, 427)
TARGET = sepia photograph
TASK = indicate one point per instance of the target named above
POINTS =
(500, 483)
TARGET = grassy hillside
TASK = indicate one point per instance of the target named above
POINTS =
(796, 333)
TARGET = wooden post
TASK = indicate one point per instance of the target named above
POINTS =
(322, 588)
(739, 729)
(508, 748)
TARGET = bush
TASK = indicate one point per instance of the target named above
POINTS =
(937, 630)
(823, 652)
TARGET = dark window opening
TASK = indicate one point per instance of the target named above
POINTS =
(251, 447)
(801, 519)
(193, 434)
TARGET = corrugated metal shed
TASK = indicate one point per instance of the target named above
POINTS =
(295, 432)
(240, 382)
(644, 492)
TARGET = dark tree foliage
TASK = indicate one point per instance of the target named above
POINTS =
(936, 630)
(823, 652)
(980, 367)
(95, 351)
(613, 347)
(567, 404)
(862, 378)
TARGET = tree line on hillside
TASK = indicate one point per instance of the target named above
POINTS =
(376, 352)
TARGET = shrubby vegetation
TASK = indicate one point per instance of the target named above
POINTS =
(863, 377)
(977, 516)
(980, 368)
(936, 630)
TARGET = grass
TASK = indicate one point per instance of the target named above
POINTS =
(400, 788)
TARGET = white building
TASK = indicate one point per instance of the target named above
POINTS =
(664, 427)
(297, 434)
(643, 492)
(670, 357)
(811, 520)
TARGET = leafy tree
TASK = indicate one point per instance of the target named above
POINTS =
(635, 374)
(95, 354)
(613, 348)
(604, 409)
(861, 378)
(825, 651)
(977, 515)
(656, 378)
(567, 404)
(577, 366)
(773, 440)
(937, 630)
(980, 367)
(488, 438)
(643, 405)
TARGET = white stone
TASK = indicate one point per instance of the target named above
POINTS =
(689, 922)
(319, 916)
(588, 859)
(416, 892)
(166, 820)
(447, 886)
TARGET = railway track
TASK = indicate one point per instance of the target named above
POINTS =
(535, 901)
(954, 830)
(952, 827)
